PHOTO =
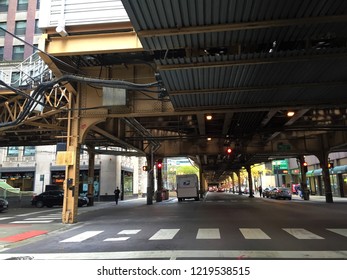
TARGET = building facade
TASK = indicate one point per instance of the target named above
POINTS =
(34, 169)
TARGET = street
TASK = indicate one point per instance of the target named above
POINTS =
(221, 226)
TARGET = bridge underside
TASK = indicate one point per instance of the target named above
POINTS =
(169, 74)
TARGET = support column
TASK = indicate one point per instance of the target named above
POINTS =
(239, 181)
(159, 181)
(150, 180)
(72, 158)
(91, 165)
(250, 181)
(303, 179)
(323, 158)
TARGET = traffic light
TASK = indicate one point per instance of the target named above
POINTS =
(305, 165)
(229, 150)
(159, 164)
(330, 165)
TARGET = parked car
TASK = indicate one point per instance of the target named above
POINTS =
(281, 192)
(3, 204)
(54, 198)
(266, 192)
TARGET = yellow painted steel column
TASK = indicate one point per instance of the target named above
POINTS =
(71, 183)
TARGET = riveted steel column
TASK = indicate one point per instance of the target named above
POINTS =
(71, 183)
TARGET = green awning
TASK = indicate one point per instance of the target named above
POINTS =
(7, 187)
(340, 169)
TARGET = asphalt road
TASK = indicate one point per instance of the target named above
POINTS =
(221, 226)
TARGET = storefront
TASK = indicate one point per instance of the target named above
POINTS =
(21, 177)
(58, 177)
(338, 180)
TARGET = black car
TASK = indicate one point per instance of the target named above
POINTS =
(54, 198)
(267, 191)
(3, 204)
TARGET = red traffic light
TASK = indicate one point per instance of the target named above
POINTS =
(304, 163)
(159, 164)
(229, 150)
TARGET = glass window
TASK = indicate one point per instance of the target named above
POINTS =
(18, 53)
(29, 151)
(38, 5)
(3, 5)
(1, 53)
(37, 29)
(22, 5)
(20, 27)
(15, 79)
(2, 32)
(12, 151)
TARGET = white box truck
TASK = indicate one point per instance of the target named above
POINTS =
(187, 186)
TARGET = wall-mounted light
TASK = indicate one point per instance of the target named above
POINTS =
(61, 30)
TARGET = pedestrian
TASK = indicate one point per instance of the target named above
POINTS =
(260, 189)
(116, 195)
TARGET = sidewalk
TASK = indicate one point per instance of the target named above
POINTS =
(319, 198)
(12, 234)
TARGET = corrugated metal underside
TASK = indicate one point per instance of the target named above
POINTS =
(157, 15)
(253, 79)
(261, 84)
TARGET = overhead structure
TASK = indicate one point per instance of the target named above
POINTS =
(246, 64)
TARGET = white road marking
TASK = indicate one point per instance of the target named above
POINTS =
(32, 222)
(165, 234)
(254, 233)
(41, 218)
(5, 218)
(301, 233)
(117, 238)
(208, 233)
(341, 231)
(129, 231)
(82, 236)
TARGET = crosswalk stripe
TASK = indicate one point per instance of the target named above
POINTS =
(5, 218)
(32, 222)
(165, 234)
(129, 231)
(124, 238)
(254, 233)
(301, 233)
(341, 231)
(208, 233)
(82, 236)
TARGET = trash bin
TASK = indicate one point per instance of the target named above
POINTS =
(91, 199)
(165, 194)
(306, 194)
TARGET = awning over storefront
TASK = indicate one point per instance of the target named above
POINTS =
(336, 170)
(340, 169)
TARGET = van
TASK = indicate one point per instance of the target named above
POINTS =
(187, 187)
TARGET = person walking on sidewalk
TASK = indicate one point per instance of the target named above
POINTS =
(116, 195)
(260, 189)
